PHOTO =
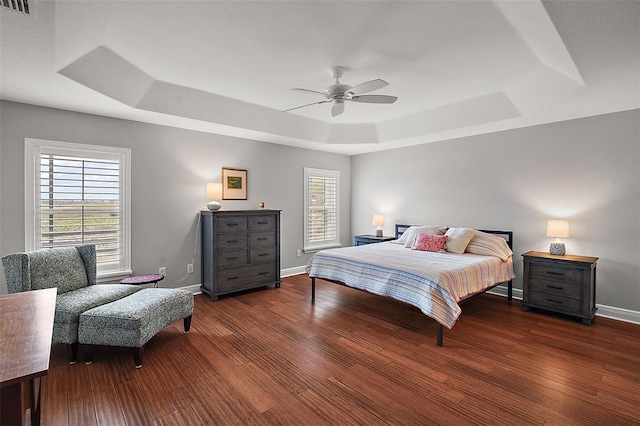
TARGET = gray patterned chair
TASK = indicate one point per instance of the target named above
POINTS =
(73, 271)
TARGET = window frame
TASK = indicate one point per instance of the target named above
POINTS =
(34, 148)
(311, 247)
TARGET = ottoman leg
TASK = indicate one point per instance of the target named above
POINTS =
(88, 354)
(74, 353)
(137, 355)
(187, 323)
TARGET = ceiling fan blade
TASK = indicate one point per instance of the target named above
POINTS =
(315, 92)
(337, 109)
(368, 86)
(375, 99)
(312, 103)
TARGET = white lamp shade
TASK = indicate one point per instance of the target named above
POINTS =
(214, 191)
(378, 219)
(558, 228)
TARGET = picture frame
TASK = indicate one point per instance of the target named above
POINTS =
(234, 184)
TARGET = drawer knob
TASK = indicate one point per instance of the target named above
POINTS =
(232, 224)
(263, 223)
(262, 238)
(232, 278)
(263, 273)
(555, 301)
(555, 287)
(263, 254)
(233, 258)
(555, 273)
(232, 241)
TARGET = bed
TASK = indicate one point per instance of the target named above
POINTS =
(434, 282)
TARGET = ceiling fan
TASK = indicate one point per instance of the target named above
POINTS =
(338, 93)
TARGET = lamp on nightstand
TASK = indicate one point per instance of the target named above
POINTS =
(378, 220)
(214, 193)
(557, 229)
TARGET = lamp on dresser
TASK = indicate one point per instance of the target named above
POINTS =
(214, 193)
(378, 220)
(557, 229)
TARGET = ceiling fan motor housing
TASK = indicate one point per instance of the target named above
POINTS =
(337, 91)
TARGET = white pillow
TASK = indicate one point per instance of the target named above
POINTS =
(489, 245)
(403, 238)
(415, 230)
(459, 239)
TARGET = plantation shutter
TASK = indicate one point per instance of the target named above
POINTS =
(321, 219)
(80, 198)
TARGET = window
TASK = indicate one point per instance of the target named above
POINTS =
(79, 194)
(321, 212)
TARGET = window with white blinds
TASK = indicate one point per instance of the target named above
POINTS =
(321, 219)
(79, 196)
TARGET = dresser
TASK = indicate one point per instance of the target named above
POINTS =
(361, 240)
(563, 284)
(240, 250)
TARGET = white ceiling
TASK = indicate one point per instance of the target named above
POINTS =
(458, 67)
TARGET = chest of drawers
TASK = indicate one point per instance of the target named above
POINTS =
(240, 250)
(564, 284)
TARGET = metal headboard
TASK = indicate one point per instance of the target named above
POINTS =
(507, 235)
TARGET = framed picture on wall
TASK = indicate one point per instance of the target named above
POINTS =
(234, 184)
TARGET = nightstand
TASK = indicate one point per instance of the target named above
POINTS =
(563, 284)
(361, 240)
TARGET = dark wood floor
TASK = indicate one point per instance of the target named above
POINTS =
(272, 357)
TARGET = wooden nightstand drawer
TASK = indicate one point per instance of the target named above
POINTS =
(556, 303)
(560, 288)
(232, 241)
(555, 272)
(262, 223)
(227, 258)
(232, 224)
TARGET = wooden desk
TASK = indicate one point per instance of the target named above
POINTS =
(26, 327)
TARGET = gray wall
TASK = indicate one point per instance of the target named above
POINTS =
(586, 171)
(170, 169)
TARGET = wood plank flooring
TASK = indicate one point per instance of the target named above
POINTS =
(272, 357)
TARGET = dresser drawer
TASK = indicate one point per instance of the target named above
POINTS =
(556, 303)
(228, 258)
(262, 223)
(555, 272)
(241, 277)
(560, 288)
(232, 224)
(232, 241)
(262, 254)
(262, 239)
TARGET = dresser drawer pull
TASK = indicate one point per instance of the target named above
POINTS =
(262, 238)
(263, 273)
(232, 224)
(555, 273)
(555, 301)
(232, 278)
(233, 258)
(555, 287)
(263, 223)
(263, 254)
(232, 241)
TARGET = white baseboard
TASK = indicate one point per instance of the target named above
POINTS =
(620, 314)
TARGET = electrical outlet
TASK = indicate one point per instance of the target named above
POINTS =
(299, 253)
(162, 270)
(190, 268)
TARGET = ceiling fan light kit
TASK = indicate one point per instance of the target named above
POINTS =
(338, 93)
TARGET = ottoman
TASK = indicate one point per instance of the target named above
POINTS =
(133, 320)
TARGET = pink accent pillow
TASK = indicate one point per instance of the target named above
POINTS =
(428, 242)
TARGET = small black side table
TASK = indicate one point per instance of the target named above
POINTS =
(143, 279)
(361, 240)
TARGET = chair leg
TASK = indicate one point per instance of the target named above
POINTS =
(74, 353)
(187, 323)
(88, 354)
(137, 355)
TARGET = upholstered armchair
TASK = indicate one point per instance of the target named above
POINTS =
(72, 270)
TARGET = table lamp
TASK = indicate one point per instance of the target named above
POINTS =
(214, 193)
(557, 229)
(378, 220)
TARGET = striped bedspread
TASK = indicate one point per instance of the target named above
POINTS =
(433, 282)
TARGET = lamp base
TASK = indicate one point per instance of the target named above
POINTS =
(214, 205)
(557, 249)
(378, 232)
